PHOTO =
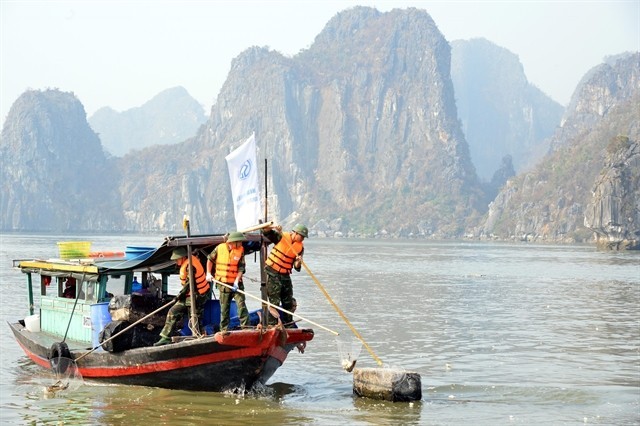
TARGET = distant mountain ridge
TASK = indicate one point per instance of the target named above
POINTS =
(501, 112)
(170, 117)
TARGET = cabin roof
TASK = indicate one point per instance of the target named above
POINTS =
(159, 259)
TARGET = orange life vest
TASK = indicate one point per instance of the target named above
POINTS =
(284, 254)
(227, 262)
(202, 285)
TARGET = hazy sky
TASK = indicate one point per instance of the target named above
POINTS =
(122, 53)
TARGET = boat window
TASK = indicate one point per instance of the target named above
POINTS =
(88, 291)
(46, 288)
(173, 284)
(153, 285)
(116, 284)
(68, 287)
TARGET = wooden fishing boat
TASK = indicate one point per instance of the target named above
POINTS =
(108, 332)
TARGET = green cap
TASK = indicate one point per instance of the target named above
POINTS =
(236, 236)
(302, 230)
(179, 253)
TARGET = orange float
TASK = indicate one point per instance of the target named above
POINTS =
(101, 254)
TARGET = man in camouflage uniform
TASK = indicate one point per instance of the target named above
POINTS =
(183, 301)
(228, 260)
(285, 255)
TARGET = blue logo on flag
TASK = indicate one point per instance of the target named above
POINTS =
(245, 170)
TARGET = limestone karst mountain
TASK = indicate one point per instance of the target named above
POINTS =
(169, 117)
(360, 129)
(550, 202)
(362, 137)
(54, 173)
(613, 213)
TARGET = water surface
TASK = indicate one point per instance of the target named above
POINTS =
(500, 334)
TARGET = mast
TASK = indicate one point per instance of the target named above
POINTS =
(263, 255)
(266, 199)
(192, 285)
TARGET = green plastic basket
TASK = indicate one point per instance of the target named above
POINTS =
(74, 249)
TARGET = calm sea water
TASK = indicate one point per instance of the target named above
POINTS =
(500, 334)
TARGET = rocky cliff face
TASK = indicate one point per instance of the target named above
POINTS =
(55, 176)
(170, 117)
(360, 131)
(392, 126)
(550, 203)
(602, 88)
(614, 211)
(501, 113)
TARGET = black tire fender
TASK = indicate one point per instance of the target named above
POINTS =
(59, 357)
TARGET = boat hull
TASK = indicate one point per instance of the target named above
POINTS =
(230, 361)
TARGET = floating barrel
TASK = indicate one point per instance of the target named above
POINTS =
(387, 384)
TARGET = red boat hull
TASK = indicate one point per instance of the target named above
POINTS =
(225, 361)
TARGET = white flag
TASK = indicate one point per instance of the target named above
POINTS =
(243, 173)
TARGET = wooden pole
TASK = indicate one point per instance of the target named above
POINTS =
(263, 250)
(193, 318)
(339, 311)
(256, 227)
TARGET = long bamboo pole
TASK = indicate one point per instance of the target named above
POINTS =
(256, 227)
(339, 311)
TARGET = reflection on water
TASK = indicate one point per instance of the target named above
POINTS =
(500, 333)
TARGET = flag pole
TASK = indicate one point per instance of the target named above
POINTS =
(266, 199)
(263, 252)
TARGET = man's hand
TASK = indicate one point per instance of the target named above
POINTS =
(235, 284)
(182, 296)
(209, 277)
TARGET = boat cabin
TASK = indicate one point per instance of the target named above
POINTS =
(82, 299)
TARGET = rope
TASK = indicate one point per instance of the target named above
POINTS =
(126, 329)
(339, 311)
(278, 307)
(74, 304)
